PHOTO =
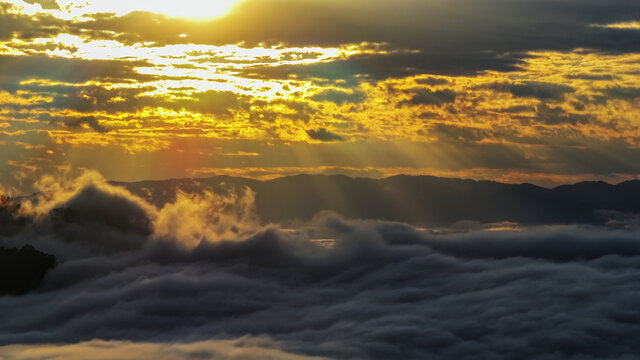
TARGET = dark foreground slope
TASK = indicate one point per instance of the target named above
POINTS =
(21, 269)
(422, 200)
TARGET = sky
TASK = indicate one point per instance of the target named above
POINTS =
(544, 92)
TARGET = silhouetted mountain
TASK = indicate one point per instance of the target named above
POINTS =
(422, 200)
(22, 269)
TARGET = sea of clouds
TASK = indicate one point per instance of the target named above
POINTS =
(203, 278)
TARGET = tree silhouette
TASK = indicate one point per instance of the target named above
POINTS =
(22, 269)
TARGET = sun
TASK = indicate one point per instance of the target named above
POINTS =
(188, 9)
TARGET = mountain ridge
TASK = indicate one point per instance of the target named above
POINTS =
(415, 199)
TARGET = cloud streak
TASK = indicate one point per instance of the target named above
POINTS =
(243, 348)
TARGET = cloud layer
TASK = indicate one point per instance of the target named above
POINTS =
(205, 277)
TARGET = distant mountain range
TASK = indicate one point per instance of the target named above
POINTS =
(419, 200)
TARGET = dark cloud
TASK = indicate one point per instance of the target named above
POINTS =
(429, 115)
(323, 134)
(624, 93)
(521, 26)
(88, 99)
(48, 46)
(591, 77)
(340, 97)
(91, 98)
(534, 89)
(495, 40)
(557, 115)
(17, 68)
(294, 110)
(97, 98)
(337, 288)
(479, 40)
(516, 109)
(25, 27)
(429, 97)
(91, 121)
(394, 65)
(461, 133)
(432, 81)
(134, 27)
(46, 4)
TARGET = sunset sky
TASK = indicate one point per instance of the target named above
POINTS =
(516, 91)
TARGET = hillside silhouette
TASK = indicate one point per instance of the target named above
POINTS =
(420, 200)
